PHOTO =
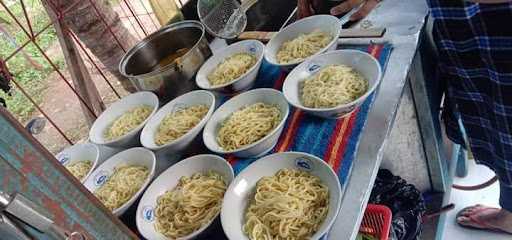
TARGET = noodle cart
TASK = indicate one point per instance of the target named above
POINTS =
(30, 170)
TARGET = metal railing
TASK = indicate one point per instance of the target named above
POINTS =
(136, 15)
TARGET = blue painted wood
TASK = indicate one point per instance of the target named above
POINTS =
(28, 168)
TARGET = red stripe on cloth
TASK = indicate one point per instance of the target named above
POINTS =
(375, 50)
(332, 140)
(346, 136)
(231, 159)
(335, 140)
(280, 80)
(343, 129)
(286, 139)
(370, 49)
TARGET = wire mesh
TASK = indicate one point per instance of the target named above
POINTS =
(20, 17)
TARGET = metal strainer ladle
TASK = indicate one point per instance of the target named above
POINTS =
(224, 18)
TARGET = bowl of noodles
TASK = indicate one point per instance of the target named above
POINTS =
(176, 125)
(121, 179)
(192, 190)
(247, 125)
(333, 84)
(288, 195)
(233, 69)
(80, 160)
(303, 39)
(121, 123)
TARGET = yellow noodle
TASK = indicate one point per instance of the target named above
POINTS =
(305, 45)
(231, 68)
(193, 203)
(332, 86)
(248, 125)
(178, 123)
(127, 122)
(292, 204)
(79, 169)
(122, 185)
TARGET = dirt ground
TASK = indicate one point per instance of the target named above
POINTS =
(61, 104)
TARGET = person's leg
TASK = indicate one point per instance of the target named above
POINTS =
(506, 197)
(482, 217)
(478, 76)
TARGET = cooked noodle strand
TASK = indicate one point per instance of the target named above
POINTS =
(248, 125)
(178, 123)
(127, 122)
(79, 169)
(231, 68)
(333, 85)
(292, 204)
(193, 203)
(122, 185)
(305, 45)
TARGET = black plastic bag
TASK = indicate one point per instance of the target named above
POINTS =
(404, 200)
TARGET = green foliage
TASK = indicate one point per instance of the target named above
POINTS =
(33, 80)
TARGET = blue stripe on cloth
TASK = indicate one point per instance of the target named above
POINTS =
(314, 137)
(455, 13)
(353, 142)
(478, 42)
(313, 134)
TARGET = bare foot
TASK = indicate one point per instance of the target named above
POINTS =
(486, 218)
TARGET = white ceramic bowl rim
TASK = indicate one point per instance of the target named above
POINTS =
(104, 141)
(64, 158)
(164, 175)
(234, 45)
(310, 18)
(201, 123)
(364, 96)
(130, 201)
(234, 99)
(326, 224)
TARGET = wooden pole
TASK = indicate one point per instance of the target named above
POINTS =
(75, 65)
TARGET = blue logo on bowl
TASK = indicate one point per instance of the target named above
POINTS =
(148, 214)
(304, 164)
(252, 48)
(63, 159)
(313, 67)
(101, 178)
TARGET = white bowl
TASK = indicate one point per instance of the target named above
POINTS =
(241, 190)
(145, 217)
(239, 84)
(130, 139)
(325, 23)
(260, 147)
(147, 137)
(362, 62)
(133, 156)
(81, 152)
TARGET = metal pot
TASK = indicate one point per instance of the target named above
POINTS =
(143, 63)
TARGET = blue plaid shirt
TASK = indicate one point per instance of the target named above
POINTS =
(475, 49)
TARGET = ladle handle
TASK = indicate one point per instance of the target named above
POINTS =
(346, 17)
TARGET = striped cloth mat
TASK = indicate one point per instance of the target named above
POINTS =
(334, 140)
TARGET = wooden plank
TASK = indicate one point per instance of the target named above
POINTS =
(28, 168)
(79, 74)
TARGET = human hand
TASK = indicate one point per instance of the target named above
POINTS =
(366, 8)
(306, 8)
